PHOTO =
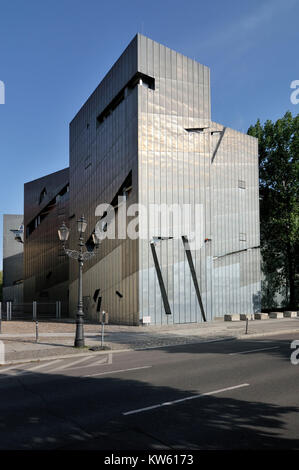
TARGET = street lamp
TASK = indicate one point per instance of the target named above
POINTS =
(63, 233)
(81, 256)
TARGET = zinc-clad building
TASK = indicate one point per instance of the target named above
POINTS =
(146, 134)
(46, 267)
(13, 255)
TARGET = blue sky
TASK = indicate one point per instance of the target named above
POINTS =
(54, 53)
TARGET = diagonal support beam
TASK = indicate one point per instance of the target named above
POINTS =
(193, 274)
(160, 279)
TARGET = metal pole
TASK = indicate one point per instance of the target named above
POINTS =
(79, 339)
(0, 317)
(36, 331)
(102, 339)
(58, 309)
(34, 310)
(246, 330)
(7, 311)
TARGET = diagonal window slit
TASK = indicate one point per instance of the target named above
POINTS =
(160, 280)
(193, 274)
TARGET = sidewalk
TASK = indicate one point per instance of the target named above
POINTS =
(56, 339)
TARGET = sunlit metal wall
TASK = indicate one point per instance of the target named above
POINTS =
(164, 135)
(185, 158)
(235, 222)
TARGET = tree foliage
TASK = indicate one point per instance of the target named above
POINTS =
(279, 207)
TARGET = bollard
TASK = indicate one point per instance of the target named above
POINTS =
(246, 330)
(58, 309)
(8, 311)
(34, 310)
(103, 328)
(102, 339)
(36, 331)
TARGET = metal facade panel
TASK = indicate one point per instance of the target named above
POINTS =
(111, 149)
(235, 222)
(146, 134)
(170, 162)
(45, 265)
(175, 166)
(13, 256)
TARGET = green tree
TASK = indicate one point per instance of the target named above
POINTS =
(279, 208)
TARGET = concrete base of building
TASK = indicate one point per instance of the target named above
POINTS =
(232, 317)
(276, 314)
(290, 314)
(246, 316)
(261, 316)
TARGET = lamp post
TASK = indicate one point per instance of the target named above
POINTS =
(81, 256)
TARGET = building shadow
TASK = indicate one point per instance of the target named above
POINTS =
(274, 348)
(47, 411)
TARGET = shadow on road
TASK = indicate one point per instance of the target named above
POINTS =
(279, 348)
(43, 411)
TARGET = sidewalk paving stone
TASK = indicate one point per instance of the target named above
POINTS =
(56, 338)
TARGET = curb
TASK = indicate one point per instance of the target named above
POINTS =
(117, 351)
(65, 356)
(109, 351)
(272, 333)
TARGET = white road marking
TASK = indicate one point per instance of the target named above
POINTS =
(24, 371)
(103, 361)
(8, 368)
(253, 350)
(168, 403)
(69, 364)
(40, 366)
(108, 360)
(117, 371)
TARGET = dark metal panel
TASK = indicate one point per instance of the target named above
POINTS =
(193, 274)
(160, 280)
(46, 268)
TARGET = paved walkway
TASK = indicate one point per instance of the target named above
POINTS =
(57, 338)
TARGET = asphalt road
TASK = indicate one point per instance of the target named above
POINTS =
(234, 394)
